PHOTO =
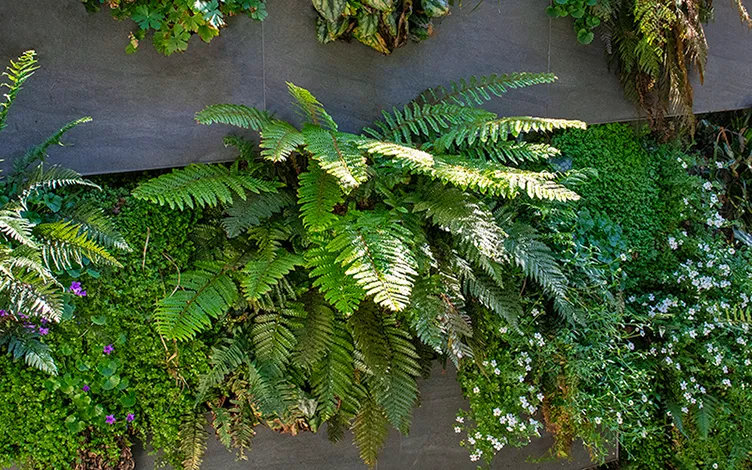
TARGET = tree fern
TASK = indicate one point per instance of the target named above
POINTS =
(200, 186)
(376, 252)
(203, 294)
(234, 115)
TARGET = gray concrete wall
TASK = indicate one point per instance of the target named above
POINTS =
(143, 104)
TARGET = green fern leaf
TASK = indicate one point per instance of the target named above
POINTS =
(17, 73)
(310, 108)
(509, 151)
(338, 154)
(279, 140)
(370, 430)
(315, 338)
(318, 193)
(332, 377)
(51, 178)
(477, 90)
(261, 274)
(409, 157)
(66, 244)
(376, 251)
(274, 335)
(500, 129)
(243, 214)
(235, 115)
(96, 225)
(340, 290)
(208, 292)
(192, 437)
(200, 186)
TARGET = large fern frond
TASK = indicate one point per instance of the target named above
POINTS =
(376, 251)
(208, 292)
(38, 153)
(408, 157)
(370, 431)
(340, 290)
(16, 227)
(509, 151)
(249, 212)
(54, 177)
(263, 272)
(274, 337)
(22, 290)
(97, 226)
(17, 73)
(202, 185)
(338, 154)
(332, 377)
(235, 115)
(224, 359)
(316, 336)
(34, 352)
(500, 129)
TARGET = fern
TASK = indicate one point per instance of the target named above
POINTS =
(64, 244)
(370, 431)
(332, 377)
(192, 437)
(414, 159)
(314, 339)
(339, 289)
(506, 152)
(234, 115)
(423, 120)
(38, 153)
(200, 186)
(51, 178)
(499, 130)
(208, 292)
(35, 353)
(224, 359)
(16, 74)
(16, 227)
(98, 227)
(249, 212)
(278, 140)
(338, 154)
(310, 108)
(376, 253)
(318, 194)
(274, 335)
(265, 271)
(477, 90)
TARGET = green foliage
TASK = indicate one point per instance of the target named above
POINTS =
(326, 327)
(174, 22)
(383, 25)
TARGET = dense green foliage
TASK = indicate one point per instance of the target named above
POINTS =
(340, 263)
(381, 24)
(662, 359)
(173, 22)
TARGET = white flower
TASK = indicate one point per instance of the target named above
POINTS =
(707, 186)
(503, 330)
(476, 390)
(597, 420)
(460, 419)
(457, 429)
(471, 441)
(497, 371)
(540, 397)
(718, 165)
(623, 257)
(497, 412)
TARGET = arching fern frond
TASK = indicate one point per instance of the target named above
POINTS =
(338, 154)
(38, 153)
(316, 335)
(97, 226)
(509, 151)
(235, 115)
(273, 335)
(224, 359)
(16, 227)
(370, 430)
(26, 291)
(201, 185)
(310, 108)
(192, 437)
(477, 90)
(208, 292)
(332, 376)
(264, 271)
(500, 129)
(51, 178)
(34, 352)
(342, 291)
(408, 157)
(17, 73)
(249, 212)
(376, 251)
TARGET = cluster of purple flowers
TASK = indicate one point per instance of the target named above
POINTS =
(110, 419)
(75, 287)
(41, 329)
(108, 349)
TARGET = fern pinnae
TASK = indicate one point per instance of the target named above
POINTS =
(310, 108)
(234, 115)
(16, 74)
(477, 90)
(278, 140)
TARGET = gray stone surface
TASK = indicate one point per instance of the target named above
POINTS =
(431, 444)
(143, 104)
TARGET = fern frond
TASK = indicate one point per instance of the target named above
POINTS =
(279, 140)
(273, 335)
(51, 178)
(423, 120)
(376, 251)
(332, 377)
(477, 90)
(38, 153)
(16, 227)
(338, 154)
(224, 359)
(201, 185)
(315, 338)
(235, 115)
(17, 73)
(509, 151)
(65, 244)
(310, 108)
(370, 431)
(498, 180)
(26, 291)
(97, 226)
(263, 272)
(504, 300)
(208, 292)
(340, 290)
(243, 214)
(500, 129)
(35, 353)
(408, 157)
(192, 437)
(318, 193)
(462, 215)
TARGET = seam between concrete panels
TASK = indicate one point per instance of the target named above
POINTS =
(263, 65)
(548, 67)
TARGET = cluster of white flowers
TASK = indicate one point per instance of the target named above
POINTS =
(716, 220)
(538, 340)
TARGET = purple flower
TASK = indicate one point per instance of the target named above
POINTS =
(130, 417)
(21, 315)
(108, 349)
(29, 325)
(3, 313)
(86, 388)
(75, 287)
(43, 321)
(43, 331)
(110, 419)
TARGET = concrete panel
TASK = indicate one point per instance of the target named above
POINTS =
(142, 104)
(431, 444)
